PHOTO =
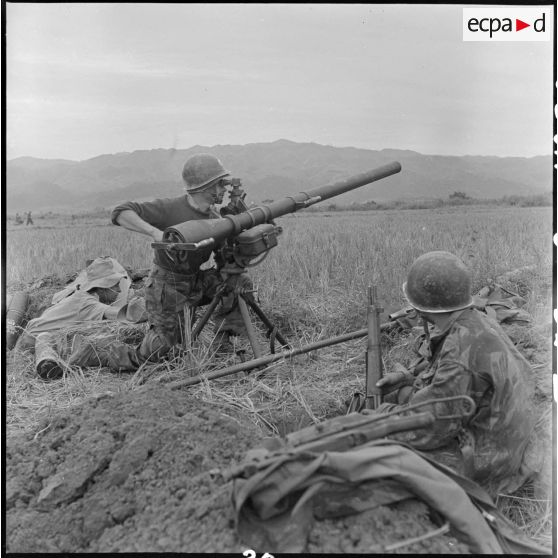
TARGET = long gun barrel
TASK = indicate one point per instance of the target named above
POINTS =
(268, 359)
(373, 352)
(206, 233)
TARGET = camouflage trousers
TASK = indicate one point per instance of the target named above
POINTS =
(60, 349)
(166, 296)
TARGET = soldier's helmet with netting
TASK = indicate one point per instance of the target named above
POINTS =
(438, 282)
(201, 170)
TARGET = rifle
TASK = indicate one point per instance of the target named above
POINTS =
(374, 365)
(349, 431)
(244, 237)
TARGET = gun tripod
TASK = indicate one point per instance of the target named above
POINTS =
(245, 299)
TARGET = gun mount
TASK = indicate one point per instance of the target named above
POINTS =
(244, 236)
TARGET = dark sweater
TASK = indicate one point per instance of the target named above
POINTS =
(164, 213)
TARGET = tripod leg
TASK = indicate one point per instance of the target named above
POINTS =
(187, 333)
(251, 333)
(266, 321)
(205, 317)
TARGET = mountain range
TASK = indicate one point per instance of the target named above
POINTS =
(268, 171)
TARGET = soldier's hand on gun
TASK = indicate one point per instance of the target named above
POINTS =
(395, 380)
(157, 235)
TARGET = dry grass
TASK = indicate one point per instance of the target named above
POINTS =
(313, 286)
(534, 516)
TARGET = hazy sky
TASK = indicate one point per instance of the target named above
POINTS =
(88, 79)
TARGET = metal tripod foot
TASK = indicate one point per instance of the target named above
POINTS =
(244, 300)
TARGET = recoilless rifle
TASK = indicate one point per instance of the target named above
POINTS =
(244, 236)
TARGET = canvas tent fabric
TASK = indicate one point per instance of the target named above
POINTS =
(275, 507)
(103, 272)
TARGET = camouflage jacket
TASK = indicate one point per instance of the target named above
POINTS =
(473, 356)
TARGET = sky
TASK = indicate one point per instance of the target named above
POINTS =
(87, 79)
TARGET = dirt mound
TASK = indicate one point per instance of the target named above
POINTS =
(125, 473)
(139, 472)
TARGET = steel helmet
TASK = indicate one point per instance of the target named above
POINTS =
(438, 282)
(200, 170)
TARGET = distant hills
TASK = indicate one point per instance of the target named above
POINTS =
(268, 171)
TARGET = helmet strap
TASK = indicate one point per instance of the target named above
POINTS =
(426, 329)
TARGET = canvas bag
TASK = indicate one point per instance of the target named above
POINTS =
(275, 507)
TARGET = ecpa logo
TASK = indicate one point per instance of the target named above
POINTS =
(507, 24)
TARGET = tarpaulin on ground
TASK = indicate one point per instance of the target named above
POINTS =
(275, 507)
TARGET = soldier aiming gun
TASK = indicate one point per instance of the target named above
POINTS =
(178, 281)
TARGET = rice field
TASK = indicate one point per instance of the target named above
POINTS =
(319, 272)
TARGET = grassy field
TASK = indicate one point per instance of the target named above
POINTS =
(318, 251)
(313, 285)
(319, 272)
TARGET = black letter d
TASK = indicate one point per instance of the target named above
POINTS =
(537, 21)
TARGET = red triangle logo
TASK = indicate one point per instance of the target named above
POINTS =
(519, 25)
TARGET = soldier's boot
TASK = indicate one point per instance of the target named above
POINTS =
(47, 361)
(49, 369)
(156, 345)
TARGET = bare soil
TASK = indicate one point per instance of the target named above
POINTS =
(139, 472)
(135, 472)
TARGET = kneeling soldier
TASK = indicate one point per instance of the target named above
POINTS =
(175, 283)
